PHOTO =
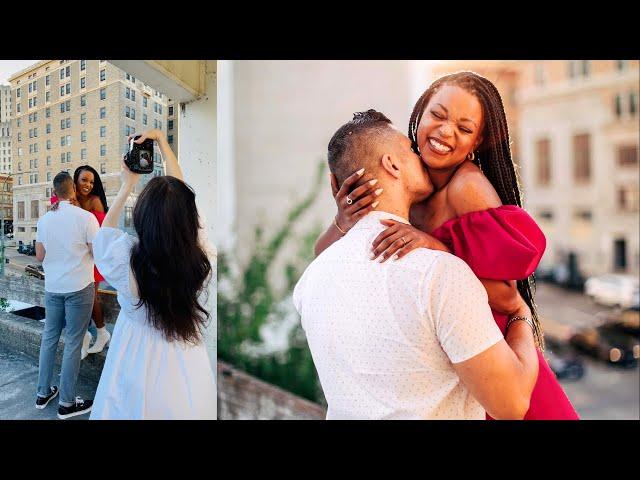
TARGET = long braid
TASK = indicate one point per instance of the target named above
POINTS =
(496, 162)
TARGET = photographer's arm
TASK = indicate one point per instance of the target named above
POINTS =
(129, 181)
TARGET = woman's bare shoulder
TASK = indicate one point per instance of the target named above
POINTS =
(96, 204)
(470, 191)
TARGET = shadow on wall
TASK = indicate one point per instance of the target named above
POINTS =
(248, 305)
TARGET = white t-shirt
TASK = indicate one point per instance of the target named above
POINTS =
(384, 336)
(65, 235)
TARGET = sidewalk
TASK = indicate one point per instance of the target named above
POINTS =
(18, 379)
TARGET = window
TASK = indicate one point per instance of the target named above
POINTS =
(48, 160)
(48, 176)
(19, 136)
(103, 93)
(621, 65)
(628, 155)
(83, 136)
(103, 150)
(20, 183)
(65, 106)
(83, 82)
(48, 144)
(18, 108)
(83, 100)
(144, 101)
(633, 103)
(144, 119)
(628, 198)
(18, 92)
(47, 112)
(67, 88)
(103, 131)
(20, 204)
(61, 73)
(63, 141)
(48, 128)
(103, 75)
(68, 140)
(581, 158)
(83, 119)
(127, 112)
(83, 154)
(618, 105)
(170, 138)
(47, 96)
(127, 130)
(62, 123)
(155, 123)
(133, 114)
(170, 125)
(127, 91)
(103, 167)
(170, 110)
(34, 207)
(103, 112)
(160, 109)
(160, 125)
(133, 95)
(155, 107)
(62, 157)
(83, 65)
(47, 80)
(62, 90)
(35, 132)
(68, 157)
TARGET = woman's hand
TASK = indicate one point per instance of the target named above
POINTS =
(127, 176)
(399, 238)
(153, 134)
(353, 205)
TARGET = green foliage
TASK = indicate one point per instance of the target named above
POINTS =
(4, 304)
(247, 301)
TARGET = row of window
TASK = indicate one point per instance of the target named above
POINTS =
(632, 104)
(627, 200)
(627, 156)
(576, 69)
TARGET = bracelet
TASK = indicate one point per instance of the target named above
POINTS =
(524, 319)
(335, 222)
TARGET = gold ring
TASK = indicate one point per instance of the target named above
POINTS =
(404, 242)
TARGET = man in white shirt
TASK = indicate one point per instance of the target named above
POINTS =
(414, 338)
(63, 245)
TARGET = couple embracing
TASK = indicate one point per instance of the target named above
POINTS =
(420, 302)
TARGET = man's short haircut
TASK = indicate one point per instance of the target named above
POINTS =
(355, 144)
(63, 184)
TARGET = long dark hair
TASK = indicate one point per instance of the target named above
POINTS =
(169, 265)
(98, 188)
(493, 156)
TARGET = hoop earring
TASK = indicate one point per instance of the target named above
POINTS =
(471, 156)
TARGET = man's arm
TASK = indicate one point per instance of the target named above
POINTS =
(40, 251)
(499, 373)
(502, 377)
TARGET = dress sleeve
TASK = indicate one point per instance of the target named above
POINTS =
(112, 253)
(502, 243)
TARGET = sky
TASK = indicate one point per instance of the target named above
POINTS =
(9, 67)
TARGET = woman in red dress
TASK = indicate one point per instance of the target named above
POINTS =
(459, 129)
(91, 197)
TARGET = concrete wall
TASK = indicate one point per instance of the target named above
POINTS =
(243, 397)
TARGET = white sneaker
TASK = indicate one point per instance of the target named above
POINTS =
(102, 340)
(85, 345)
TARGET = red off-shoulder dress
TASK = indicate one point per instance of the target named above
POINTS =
(97, 276)
(505, 243)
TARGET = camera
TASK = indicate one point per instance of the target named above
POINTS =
(139, 158)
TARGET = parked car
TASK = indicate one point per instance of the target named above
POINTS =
(614, 290)
(564, 363)
(35, 271)
(27, 249)
(607, 343)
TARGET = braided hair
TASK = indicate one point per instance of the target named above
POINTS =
(496, 163)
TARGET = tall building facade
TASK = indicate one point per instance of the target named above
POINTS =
(579, 134)
(5, 129)
(67, 113)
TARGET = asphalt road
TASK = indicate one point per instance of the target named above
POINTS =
(606, 391)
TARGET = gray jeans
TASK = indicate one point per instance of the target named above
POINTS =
(75, 307)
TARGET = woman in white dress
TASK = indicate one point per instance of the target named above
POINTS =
(157, 365)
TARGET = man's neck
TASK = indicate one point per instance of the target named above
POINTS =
(395, 202)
